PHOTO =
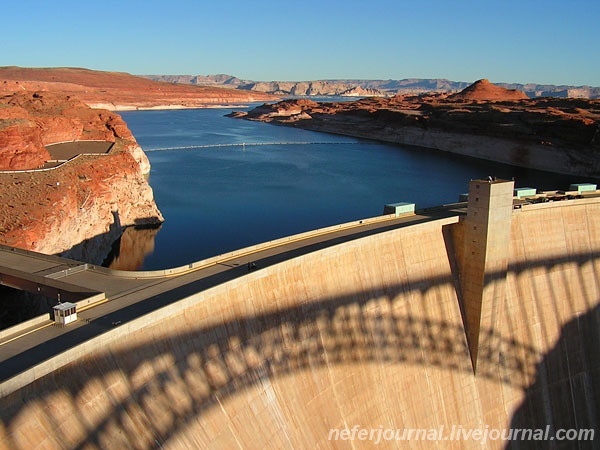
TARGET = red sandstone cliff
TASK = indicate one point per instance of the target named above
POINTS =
(483, 121)
(55, 209)
(29, 121)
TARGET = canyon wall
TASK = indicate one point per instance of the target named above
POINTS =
(482, 121)
(77, 208)
(368, 333)
(552, 158)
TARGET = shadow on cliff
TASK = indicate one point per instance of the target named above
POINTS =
(566, 391)
(95, 249)
(209, 364)
(120, 247)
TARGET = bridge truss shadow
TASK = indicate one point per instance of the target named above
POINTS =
(566, 392)
(158, 387)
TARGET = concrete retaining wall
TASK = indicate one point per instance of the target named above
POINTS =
(366, 333)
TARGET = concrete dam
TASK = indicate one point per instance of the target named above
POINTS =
(488, 321)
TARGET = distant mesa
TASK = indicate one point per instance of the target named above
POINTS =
(483, 90)
(121, 91)
(371, 88)
(65, 207)
(482, 121)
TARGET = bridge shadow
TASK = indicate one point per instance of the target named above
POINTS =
(169, 382)
(566, 392)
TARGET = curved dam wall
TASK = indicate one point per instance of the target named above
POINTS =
(369, 333)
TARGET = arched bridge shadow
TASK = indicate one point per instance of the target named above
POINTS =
(566, 392)
(191, 372)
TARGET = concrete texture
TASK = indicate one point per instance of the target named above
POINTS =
(369, 333)
(482, 270)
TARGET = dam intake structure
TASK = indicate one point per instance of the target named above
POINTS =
(484, 320)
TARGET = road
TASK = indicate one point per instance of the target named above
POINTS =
(129, 297)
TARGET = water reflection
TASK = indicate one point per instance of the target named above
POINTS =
(129, 251)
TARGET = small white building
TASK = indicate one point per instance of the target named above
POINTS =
(65, 313)
(583, 187)
(399, 208)
(524, 192)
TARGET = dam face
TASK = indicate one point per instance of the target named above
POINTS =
(374, 334)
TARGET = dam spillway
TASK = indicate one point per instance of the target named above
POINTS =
(370, 332)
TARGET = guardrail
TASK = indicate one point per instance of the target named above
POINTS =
(63, 161)
(46, 169)
(247, 250)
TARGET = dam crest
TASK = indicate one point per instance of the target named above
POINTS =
(484, 319)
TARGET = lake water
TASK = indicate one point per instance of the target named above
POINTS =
(224, 184)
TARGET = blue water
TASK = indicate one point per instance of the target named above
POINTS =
(240, 183)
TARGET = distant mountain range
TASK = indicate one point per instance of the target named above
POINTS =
(361, 88)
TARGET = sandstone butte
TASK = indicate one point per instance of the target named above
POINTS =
(51, 210)
(483, 121)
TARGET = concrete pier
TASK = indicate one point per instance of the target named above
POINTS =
(485, 257)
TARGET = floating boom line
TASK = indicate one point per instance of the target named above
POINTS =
(246, 144)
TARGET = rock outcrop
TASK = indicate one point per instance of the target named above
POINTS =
(312, 88)
(21, 145)
(406, 86)
(57, 209)
(30, 121)
(483, 121)
(483, 90)
(120, 91)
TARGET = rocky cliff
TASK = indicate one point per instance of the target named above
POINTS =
(483, 121)
(312, 88)
(120, 91)
(88, 199)
(30, 121)
(406, 86)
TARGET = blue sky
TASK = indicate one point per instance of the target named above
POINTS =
(546, 41)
